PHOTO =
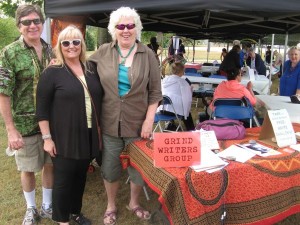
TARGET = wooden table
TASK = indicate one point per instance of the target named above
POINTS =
(260, 191)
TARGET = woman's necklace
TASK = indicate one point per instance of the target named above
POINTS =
(124, 57)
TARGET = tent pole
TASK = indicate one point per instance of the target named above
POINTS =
(271, 64)
(259, 47)
(194, 50)
(285, 48)
(208, 50)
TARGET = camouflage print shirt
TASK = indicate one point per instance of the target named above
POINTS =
(20, 70)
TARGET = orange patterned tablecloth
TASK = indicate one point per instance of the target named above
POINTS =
(264, 190)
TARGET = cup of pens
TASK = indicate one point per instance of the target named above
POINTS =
(10, 152)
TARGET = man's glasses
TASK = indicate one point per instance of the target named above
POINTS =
(128, 26)
(28, 22)
(66, 43)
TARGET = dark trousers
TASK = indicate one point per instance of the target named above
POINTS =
(68, 187)
(188, 123)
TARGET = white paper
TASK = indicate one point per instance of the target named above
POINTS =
(240, 154)
(257, 146)
(251, 75)
(296, 147)
(216, 169)
(209, 140)
(282, 127)
(209, 160)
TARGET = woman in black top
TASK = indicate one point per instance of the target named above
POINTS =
(231, 60)
(69, 96)
(155, 48)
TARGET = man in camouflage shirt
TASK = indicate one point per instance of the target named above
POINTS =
(21, 64)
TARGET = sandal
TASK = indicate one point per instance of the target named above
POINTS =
(112, 215)
(140, 212)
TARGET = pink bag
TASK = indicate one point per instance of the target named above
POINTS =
(225, 129)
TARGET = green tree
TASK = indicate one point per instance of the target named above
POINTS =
(8, 31)
(91, 36)
(90, 41)
(9, 6)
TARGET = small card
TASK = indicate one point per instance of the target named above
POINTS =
(209, 140)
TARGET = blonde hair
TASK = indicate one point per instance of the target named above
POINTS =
(70, 32)
(124, 12)
(177, 68)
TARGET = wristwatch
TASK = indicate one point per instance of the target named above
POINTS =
(46, 136)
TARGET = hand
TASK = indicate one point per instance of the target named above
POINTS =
(15, 140)
(49, 147)
(249, 85)
(147, 129)
(53, 61)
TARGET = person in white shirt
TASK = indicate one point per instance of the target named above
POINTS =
(180, 93)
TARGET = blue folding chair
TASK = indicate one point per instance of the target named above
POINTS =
(162, 120)
(190, 70)
(217, 76)
(234, 108)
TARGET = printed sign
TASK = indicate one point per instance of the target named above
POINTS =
(277, 129)
(176, 149)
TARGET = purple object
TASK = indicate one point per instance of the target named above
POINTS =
(225, 129)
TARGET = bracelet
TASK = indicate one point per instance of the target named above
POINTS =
(46, 136)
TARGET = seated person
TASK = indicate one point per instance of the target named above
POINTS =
(290, 80)
(231, 60)
(180, 93)
(233, 89)
(254, 61)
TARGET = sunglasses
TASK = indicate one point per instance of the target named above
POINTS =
(66, 43)
(28, 22)
(128, 26)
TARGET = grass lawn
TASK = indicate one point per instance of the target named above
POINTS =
(12, 203)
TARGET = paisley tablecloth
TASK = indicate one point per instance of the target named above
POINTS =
(264, 190)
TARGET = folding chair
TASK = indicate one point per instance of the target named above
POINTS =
(190, 70)
(162, 120)
(234, 108)
(144, 188)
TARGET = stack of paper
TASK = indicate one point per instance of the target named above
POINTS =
(210, 162)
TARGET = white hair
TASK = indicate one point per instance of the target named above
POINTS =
(124, 12)
(236, 42)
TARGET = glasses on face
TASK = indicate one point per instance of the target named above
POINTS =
(66, 43)
(128, 26)
(28, 22)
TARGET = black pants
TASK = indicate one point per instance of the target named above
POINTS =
(188, 123)
(68, 187)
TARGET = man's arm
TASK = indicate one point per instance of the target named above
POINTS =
(15, 140)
